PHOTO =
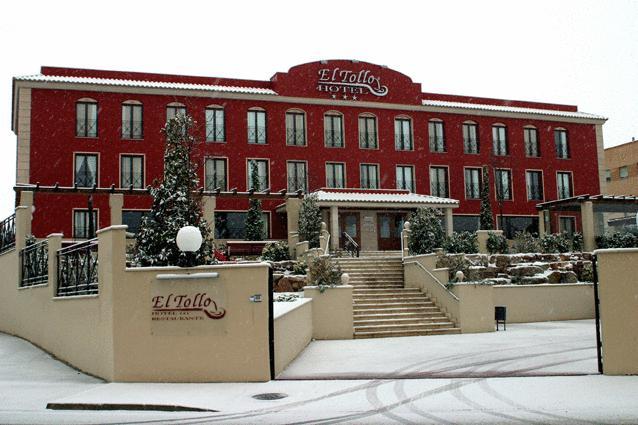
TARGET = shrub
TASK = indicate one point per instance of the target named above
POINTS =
(309, 221)
(553, 243)
(625, 239)
(496, 244)
(525, 242)
(458, 263)
(463, 242)
(300, 268)
(577, 242)
(324, 273)
(275, 251)
(426, 231)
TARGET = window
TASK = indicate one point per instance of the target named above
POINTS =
(439, 182)
(174, 110)
(499, 140)
(257, 127)
(132, 121)
(514, 224)
(437, 139)
(405, 177)
(562, 148)
(295, 129)
(232, 225)
(83, 226)
(133, 219)
(530, 135)
(86, 119)
(297, 177)
(564, 185)
(132, 171)
(534, 181)
(470, 137)
(369, 176)
(503, 185)
(567, 225)
(85, 170)
(623, 172)
(333, 130)
(216, 175)
(335, 175)
(368, 132)
(261, 167)
(472, 183)
(403, 134)
(608, 175)
(215, 125)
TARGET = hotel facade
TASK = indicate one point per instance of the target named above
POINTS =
(367, 139)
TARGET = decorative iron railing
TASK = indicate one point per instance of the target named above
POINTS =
(403, 142)
(7, 233)
(535, 192)
(406, 185)
(86, 128)
(437, 144)
(34, 264)
(214, 134)
(472, 190)
(298, 183)
(561, 150)
(257, 135)
(333, 138)
(77, 269)
(471, 145)
(132, 129)
(350, 246)
(439, 189)
(295, 137)
(132, 180)
(531, 149)
(367, 140)
(336, 183)
(369, 184)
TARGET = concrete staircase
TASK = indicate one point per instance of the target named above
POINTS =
(383, 307)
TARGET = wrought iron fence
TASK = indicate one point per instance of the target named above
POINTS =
(535, 192)
(438, 189)
(132, 129)
(214, 134)
(437, 144)
(403, 142)
(472, 190)
(257, 135)
(34, 264)
(333, 138)
(7, 233)
(297, 183)
(77, 269)
(86, 128)
(471, 145)
(295, 137)
(367, 140)
(335, 183)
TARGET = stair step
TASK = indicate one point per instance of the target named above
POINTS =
(397, 299)
(365, 290)
(381, 320)
(388, 334)
(403, 326)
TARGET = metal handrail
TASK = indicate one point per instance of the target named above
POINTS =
(77, 269)
(351, 245)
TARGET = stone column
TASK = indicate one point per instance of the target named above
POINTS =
(449, 222)
(293, 205)
(334, 227)
(405, 237)
(55, 243)
(22, 226)
(111, 254)
(587, 220)
(116, 202)
(541, 223)
(210, 203)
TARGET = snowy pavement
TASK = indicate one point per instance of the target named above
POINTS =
(29, 379)
(526, 349)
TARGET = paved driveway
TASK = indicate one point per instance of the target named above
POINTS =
(529, 349)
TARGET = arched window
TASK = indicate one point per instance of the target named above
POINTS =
(562, 146)
(215, 128)
(86, 117)
(257, 126)
(499, 139)
(132, 120)
(175, 108)
(530, 137)
(403, 133)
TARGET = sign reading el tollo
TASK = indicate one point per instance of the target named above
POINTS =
(199, 306)
(343, 81)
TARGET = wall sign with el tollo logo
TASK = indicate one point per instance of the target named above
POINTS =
(199, 306)
(337, 82)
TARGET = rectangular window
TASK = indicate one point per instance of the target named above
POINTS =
(215, 125)
(333, 130)
(132, 171)
(472, 183)
(257, 127)
(403, 134)
(608, 175)
(263, 182)
(439, 182)
(83, 228)
(173, 111)
(232, 225)
(564, 185)
(499, 140)
(369, 176)
(437, 138)
(405, 177)
(216, 175)
(297, 177)
(368, 132)
(530, 135)
(534, 181)
(132, 121)
(503, 185)
(295, 129)
(133, 219)
(562, 147)
(86, 119)
(623, 172)
(470, 138)
(335, 175)
(567, 225)
(85, 170)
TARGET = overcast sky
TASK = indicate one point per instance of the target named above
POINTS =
(575, 52)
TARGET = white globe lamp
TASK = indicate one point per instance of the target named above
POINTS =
(189, 239)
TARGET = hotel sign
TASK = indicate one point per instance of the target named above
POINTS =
(199, 306)
(337, 81)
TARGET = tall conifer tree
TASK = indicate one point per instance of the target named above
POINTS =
(254, 220)
(486, 222)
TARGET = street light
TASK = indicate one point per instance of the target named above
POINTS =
(189, 240)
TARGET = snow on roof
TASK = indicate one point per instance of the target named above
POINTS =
(515, 109)
(146, 84)
(372, 197)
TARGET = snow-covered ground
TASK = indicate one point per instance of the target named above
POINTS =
(29, 379)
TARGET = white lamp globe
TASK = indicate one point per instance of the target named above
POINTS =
(189, 239)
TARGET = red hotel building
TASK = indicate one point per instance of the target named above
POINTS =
(339, 124)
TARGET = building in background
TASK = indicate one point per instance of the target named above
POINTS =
(621, 169)
(343, 126)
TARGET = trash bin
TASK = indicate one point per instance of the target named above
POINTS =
(500, 315)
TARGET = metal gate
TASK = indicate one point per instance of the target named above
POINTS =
(599, 342)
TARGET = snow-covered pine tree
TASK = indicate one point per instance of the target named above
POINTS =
(309, 221)
(426, 231)
(176, 203)
(486, 222)
(254, 220)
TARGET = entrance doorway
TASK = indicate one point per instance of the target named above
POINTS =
(349, 222)
(389, 230)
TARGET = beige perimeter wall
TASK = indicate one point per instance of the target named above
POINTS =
(293, 332)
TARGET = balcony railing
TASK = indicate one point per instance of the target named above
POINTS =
(215, 134)
(531, 149)
(257, 135)
(295, 184)
(439, 189)
(133, 180)
(34, 264)
(437, 144)
(132, 129)
(406, 185)
(86, 128)
(262, 182)
(78, 269)
(564, 193)
(471, 145)
(333, 138)
(500, 147)
(561, 151)
(367, 140)
(7, 233)
(336, 183)
(85, 179)
(369, 184)
(213, 182)
(403, 142)
(472, 191)
(295, 137)
(535, 193)
(503, 193)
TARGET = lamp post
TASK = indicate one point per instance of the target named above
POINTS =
(189, 240)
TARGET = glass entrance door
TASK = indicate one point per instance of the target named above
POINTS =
(349, 223)
(389, 230)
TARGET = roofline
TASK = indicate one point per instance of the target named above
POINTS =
(621, 145)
